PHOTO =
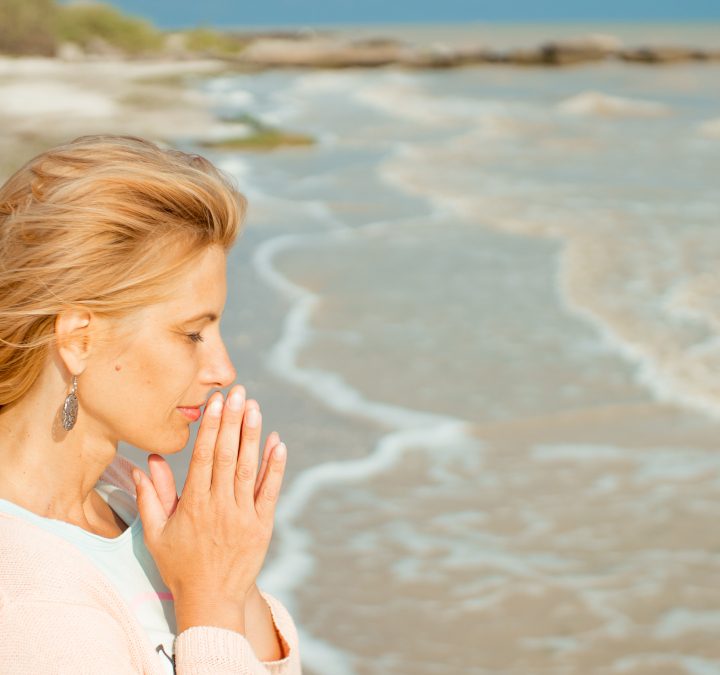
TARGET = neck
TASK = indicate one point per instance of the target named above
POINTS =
(48, 470)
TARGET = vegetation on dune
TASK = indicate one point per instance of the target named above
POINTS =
(39, 27)
(261, 137)
(213, 42)
(260, 140)
(86, 24)
(28, 27)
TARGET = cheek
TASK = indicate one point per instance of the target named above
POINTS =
(154, 380)
(142, 406)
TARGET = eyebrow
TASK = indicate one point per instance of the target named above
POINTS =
(206, 315)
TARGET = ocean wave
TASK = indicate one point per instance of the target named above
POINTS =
(408, 100)
(626, 268)
(710, 128)
(598, 103)
(412, 430)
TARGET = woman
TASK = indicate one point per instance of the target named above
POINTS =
(112, 284)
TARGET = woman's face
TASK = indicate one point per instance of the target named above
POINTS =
(169, 355)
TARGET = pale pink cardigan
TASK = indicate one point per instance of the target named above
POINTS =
(60, 614)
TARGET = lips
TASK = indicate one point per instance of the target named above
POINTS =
(192, 412)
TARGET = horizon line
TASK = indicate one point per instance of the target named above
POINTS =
(700, 21)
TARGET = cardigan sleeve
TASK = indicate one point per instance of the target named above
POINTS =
(285, 626)
(80, 639)
(210, 650)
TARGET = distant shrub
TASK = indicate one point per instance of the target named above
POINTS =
(27, 27)
(84, 24)
(210, 41)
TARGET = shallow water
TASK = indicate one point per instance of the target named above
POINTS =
(482, 312)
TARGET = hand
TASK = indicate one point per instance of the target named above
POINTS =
(210, 544)
(163, 479)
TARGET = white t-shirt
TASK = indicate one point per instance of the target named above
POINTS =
(126, 561)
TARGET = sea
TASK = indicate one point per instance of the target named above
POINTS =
(483, 312)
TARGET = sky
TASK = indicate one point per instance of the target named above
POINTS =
(230, 13)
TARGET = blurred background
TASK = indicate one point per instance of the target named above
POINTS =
(477, 294)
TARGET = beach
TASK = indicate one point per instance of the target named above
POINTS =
(481, 310)
(48, 100)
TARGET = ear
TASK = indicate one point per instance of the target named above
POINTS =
(73, 338)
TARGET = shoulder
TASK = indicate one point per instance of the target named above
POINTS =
(55, 607)
(37, 564)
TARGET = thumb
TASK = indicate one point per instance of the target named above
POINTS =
(152, 513)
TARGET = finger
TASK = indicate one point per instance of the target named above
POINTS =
(199, 476)
(227, 444)
(152, 513)
(272, 440)
(164, 482)
(270, 489)
(247, 464)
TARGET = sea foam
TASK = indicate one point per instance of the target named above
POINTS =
(598, 103)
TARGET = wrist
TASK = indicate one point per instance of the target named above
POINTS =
(252, 593)
(220, 613)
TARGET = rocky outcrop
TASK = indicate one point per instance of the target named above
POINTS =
(326, 51)
(321, 53)
(566, 52)
(666, 54)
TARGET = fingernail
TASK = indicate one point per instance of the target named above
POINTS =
(136, 476)
(253, 417)
(235, 402)
(215, 407)
(280, 452)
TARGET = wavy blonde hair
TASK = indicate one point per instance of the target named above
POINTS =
(107, 223)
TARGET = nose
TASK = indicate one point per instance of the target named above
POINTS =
(219, 371)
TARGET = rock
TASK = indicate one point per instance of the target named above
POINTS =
(522, 57)
(176, 44)
(669, 54)
(70, 51)
(98, 46)
(442, 56)
(594, 47)
(317, 50)
(319, 53)
(379, 42)
(611, 44)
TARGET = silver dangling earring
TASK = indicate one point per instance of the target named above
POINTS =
(70, 407)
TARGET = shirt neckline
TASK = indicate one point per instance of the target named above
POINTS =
(76, 532)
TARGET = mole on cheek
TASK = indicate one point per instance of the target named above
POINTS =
(118, 367)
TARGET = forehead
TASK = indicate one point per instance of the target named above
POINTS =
(201, 288)
(203, 283)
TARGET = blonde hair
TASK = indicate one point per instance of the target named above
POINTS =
(104, 222)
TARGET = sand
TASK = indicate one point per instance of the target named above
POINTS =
(45, 101)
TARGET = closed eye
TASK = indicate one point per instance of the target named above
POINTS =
(195, 337)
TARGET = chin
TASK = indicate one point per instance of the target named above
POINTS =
(180, 444)
(168, 445)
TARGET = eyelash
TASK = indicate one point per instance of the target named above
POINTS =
(195, 337)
